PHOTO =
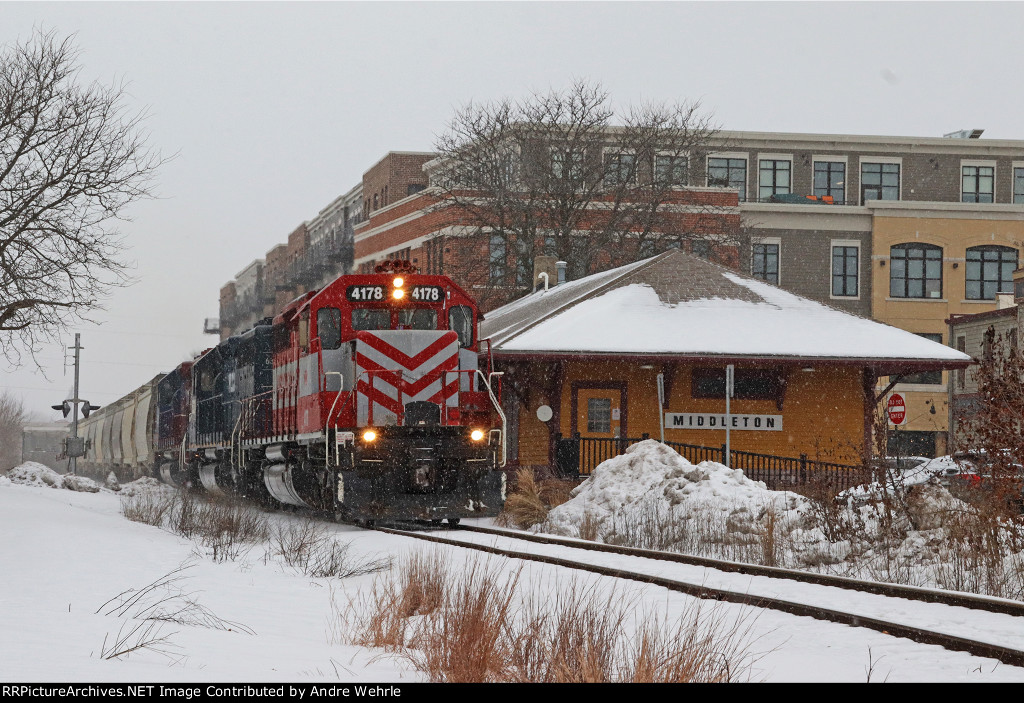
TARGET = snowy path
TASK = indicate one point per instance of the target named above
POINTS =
(63, 554)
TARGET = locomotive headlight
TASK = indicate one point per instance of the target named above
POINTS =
(398, 294)
(399, 282)
(476, 435)
(369, 436)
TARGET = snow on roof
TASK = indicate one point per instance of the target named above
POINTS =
(678, 304)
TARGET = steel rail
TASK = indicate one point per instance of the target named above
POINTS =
(963, 600)
(1003, 654)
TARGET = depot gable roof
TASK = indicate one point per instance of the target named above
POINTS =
(675, 304)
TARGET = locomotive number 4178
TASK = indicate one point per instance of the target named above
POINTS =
(365, 293)
(427, 293)
(430, 294)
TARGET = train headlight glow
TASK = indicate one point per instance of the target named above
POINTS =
(398, 294)
(369, 436)
(399, 282)
(476, 435)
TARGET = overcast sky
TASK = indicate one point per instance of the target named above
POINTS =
(275, 109)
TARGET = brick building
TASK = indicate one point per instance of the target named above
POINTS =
(906, 230)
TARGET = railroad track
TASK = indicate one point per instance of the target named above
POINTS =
(978, 604)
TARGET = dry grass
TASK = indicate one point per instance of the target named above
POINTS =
(311, 548)
(590, 527)
(149, 507)
(463, 639)
(474, 623)
(150, 610)
(381, 619)
(530, 501)
(226, 528)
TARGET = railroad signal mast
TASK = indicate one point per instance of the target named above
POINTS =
(74, 446)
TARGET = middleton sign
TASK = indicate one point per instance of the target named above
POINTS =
(715, 421)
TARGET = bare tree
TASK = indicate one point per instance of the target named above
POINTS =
(551, 174)
(71, 159)
(994, 428)
(12, 422)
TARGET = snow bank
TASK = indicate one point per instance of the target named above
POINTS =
(4, 481)
(32, 473)
(80, 483)
(146, 484)
(653, 479)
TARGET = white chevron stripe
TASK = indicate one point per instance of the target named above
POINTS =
(424, 368)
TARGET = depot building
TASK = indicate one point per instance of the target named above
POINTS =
(585, 358)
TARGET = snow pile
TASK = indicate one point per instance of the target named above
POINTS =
(80, 483)
(146, 484)
(112, 483)
(4, 481)
(915, 532)
(930, 504)
(652, 482)
(32, 473)
(928, 471)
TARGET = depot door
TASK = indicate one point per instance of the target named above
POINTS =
(599, 416)
(599, 410)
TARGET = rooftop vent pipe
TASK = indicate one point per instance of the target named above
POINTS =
(560, 265)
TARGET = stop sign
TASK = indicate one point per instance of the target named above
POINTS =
(897, 409)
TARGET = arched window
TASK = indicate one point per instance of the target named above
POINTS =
(915, 271)
(990, 271)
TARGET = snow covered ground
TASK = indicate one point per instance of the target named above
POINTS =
(67, 553)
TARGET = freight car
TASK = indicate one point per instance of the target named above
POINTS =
(119, 436)
(372, 398)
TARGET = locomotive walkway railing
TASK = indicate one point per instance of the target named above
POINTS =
(580, 455)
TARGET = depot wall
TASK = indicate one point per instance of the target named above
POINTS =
(822, 409)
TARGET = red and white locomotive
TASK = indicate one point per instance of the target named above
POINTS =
(369, 398)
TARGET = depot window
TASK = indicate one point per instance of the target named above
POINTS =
(750, 384)
(599, 415)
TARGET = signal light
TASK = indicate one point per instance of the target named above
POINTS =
(369, 436)
(476, 435)
(399, 282)
(398, 294)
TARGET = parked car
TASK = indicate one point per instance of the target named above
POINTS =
(972, 476)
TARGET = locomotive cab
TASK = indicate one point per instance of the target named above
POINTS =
(381, 409)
